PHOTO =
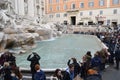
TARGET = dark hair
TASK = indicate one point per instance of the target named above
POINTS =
(71, 65)
(56, 71)
(89, 53)
(74, 60)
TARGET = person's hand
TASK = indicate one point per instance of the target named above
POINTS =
(69, 58)
(30, 54)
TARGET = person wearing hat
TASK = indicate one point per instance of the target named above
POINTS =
(34, 59)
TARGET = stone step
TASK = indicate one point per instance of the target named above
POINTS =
(47, 78)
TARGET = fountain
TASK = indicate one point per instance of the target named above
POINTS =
(20, 31)
(55, 53)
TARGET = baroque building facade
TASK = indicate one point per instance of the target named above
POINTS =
(83, 12)
(27, 8)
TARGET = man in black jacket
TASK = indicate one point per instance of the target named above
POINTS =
(34, 60)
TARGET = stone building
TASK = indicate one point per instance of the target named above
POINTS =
(84, 12)
(26, 8)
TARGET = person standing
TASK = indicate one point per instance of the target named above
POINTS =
(34, 60)
(11, 59)
(96, 61)
(39, 75)
(6, 71)
(69, 73)
(76, 66)
(117, 57)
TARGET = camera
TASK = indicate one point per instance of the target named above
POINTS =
(34, 53)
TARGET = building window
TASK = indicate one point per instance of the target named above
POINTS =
(65, 7)
(58, 8)
(115, 1)
(101, 2)
(65, 15)
(72, 6)
(57, 1)
(57, 15)
(51, 16)
(81, 13)
(81, 5)
(91, 4)
(115, 11)
(65, 0)
(101, 12)
(50, 8)
(50, 1)
(90, 13)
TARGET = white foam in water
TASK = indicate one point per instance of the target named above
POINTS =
(52, 39)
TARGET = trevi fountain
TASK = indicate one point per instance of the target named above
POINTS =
(52, 41)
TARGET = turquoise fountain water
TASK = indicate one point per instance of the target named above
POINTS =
(55, 53)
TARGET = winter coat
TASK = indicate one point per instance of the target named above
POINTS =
(34, 60)
(117, 54)
(96, 62)
(76, 68)
(40, 75)
(68, 75)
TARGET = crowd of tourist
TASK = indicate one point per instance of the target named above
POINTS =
(89, 69)
(112, 41)
(8, 68)
(92, 66)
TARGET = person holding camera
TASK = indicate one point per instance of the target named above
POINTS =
(34, 59)
(76, 66)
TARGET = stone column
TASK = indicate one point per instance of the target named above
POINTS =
(19, 7)
(108, 3)
(31, 8)
(16, 6)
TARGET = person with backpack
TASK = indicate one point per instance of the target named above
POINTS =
(93, 74)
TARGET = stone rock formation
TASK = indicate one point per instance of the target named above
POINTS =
(22, 31)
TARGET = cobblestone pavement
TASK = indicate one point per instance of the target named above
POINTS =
(111, 74)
